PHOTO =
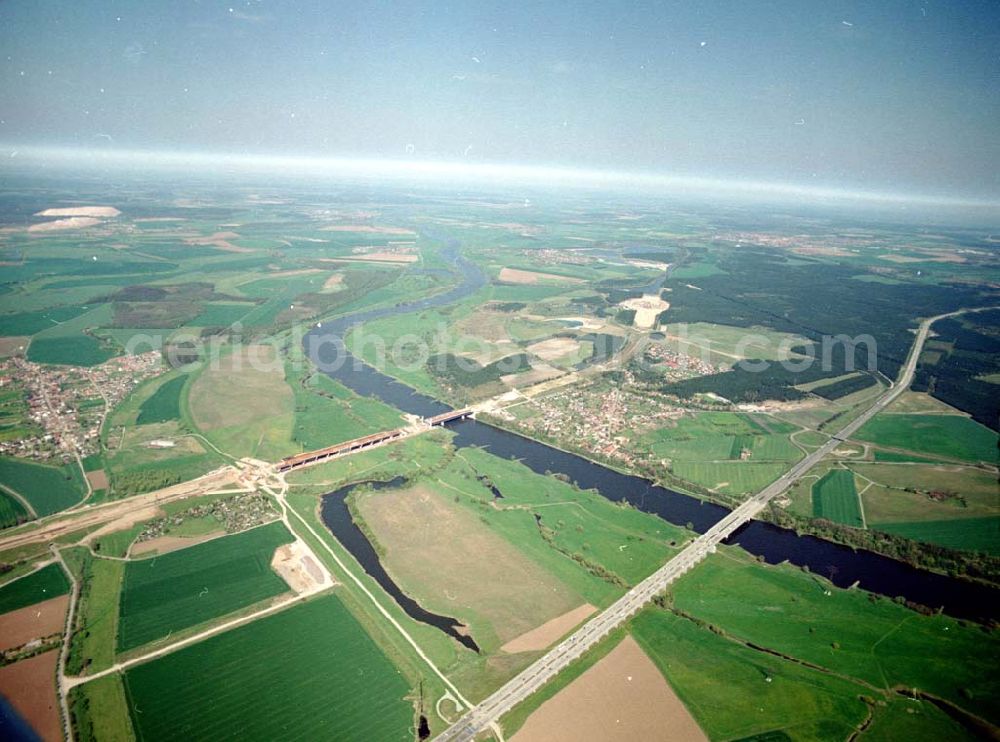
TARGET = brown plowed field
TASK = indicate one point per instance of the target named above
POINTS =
(620, 699)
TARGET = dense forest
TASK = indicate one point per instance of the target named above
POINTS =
(963, 354)
(762, 287)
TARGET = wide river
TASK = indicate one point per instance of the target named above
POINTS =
(842, 565)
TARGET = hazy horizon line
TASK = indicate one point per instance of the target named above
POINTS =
(438, 170)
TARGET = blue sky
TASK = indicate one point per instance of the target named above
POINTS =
(886, 95)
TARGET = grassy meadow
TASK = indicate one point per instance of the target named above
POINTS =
(243, 404)
(847, 633)
(100, 711)
(92, 648)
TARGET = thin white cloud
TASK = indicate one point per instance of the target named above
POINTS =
(249, 17)
(465, 171)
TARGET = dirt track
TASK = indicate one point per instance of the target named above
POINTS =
(93, 515)
(516, 275)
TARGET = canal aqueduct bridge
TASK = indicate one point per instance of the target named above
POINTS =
(369, 441)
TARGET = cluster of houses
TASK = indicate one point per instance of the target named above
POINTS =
(548, 256)
(66, 405)
(234, 514)
(599, 420)
(676, 366)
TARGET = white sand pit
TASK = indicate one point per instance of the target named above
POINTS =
(93, 211)
(647, 309)
(553, 348)
(300, 568)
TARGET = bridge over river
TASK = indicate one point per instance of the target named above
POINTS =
(486, 713)
(369, 441)
(874, 572)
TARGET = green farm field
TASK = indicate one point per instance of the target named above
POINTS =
(951, 436)
(242, 403)
(899, 457)
(221, 314)
(848, 632)
(835, 498)
(12, 511)
(921, 402)
(292, 675)
(49, 489)
(48, 582)
(721, 436)
(69, 343)
(735, 692)
(184, 588)
(963, 534)
(729, 477)
(29, 323)
(70, 350)
(135, 341)
(164, 404)
(699, 269)
(945, 504)
(526, 292)
(977, 487)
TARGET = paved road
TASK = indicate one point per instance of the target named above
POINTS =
(488, 711)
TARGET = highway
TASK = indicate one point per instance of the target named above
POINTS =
(488, 712)
(248, 474)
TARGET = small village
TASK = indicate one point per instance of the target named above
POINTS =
(676, 366)
(549, 256)
(67, 404)
(603, 420)
(233, 514)
(597, 419)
